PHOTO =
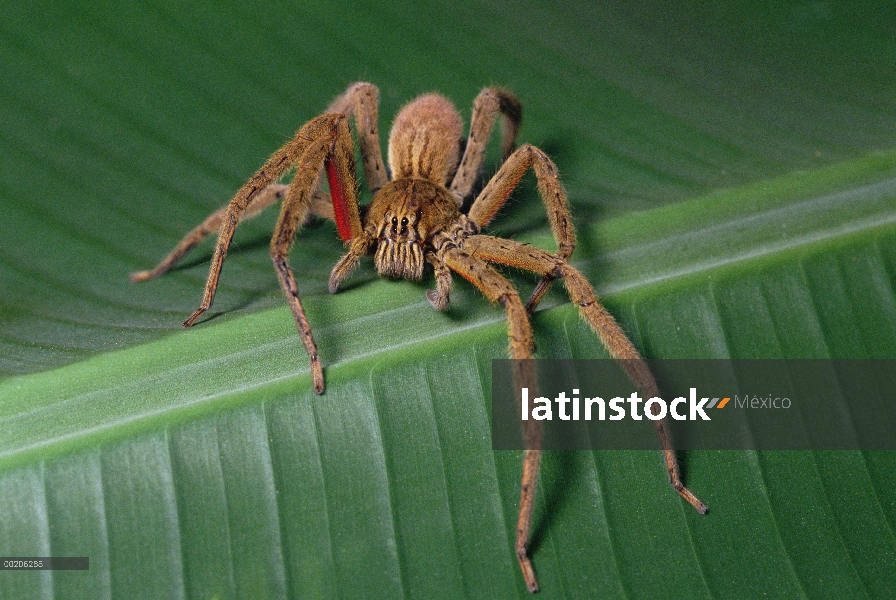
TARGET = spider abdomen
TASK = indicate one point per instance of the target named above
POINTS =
(425, 140)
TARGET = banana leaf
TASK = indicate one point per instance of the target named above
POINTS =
(732, 174)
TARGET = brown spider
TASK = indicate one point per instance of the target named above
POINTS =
(414, 217)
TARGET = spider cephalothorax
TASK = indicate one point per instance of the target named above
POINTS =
(402, 227)
(415, 219)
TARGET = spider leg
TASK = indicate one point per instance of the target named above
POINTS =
(338, 156)
(315, 138)
(211, 224)
(509, 252)
(503, 183)
(320, 206)
(439, 296)
(360, 246)
(322, 142)
(486, 107)
(498, 289)
(361, 101)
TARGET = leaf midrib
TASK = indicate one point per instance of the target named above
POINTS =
(64, 408)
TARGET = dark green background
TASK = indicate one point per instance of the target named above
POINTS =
(732, 173)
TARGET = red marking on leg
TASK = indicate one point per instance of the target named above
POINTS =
(340, 206)
(468, 277)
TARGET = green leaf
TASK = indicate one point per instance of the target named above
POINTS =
(733, 178)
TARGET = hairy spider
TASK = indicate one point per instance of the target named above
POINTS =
(415, 218)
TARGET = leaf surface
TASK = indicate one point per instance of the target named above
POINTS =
(733, 179)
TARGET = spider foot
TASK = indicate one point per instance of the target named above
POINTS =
(538, 293)
(528, 571)
(691, 499)
(199, 311)
(146, 275)
(438, 301)
(317, 375)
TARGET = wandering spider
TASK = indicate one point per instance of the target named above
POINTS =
(415, 218)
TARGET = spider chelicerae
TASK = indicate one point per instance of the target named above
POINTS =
(415, 218)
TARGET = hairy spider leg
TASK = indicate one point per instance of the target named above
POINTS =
(322, 140)
(439, 296)
(337, 154)
(361, 101)
(490, 103)
(211, 224)
(498, 289)
(551, 266)
(515, 254)
(320, 206)
(552, 194)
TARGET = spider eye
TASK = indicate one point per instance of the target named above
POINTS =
(394, 221)
(404, 221)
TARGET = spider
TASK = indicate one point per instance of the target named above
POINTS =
(415, 218)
